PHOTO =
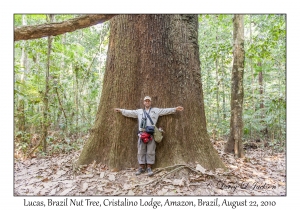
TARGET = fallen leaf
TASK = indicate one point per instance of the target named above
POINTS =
(45, 180)
(102, 175)
(127, 186)
(162, 191)
(66, 191)
(130, 192)
(179, 182)
(111, 177)
(84, 187)
(200, 168)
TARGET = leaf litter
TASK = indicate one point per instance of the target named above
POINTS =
(261, 172)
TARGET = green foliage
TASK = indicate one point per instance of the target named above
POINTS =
(265, 52)
(22, 142)
(64, 145)
(77, 62)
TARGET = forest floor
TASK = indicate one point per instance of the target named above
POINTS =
(261, 172)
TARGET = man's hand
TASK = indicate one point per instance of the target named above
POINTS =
(179, 108)
(117, 110)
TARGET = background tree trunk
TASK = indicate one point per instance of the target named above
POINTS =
(252, 81)
(217, 91)
(261, 88)
(154, 55)
(234, 143)
(46, 122)
(224, 92)
(21, 104)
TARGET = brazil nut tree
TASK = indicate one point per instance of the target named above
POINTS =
(156, 55)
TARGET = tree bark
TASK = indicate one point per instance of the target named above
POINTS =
(217, 93)
(154, 55)
(224, 92)
(252, 131)
(21, 103)
(261, 88)
(54, 29)
(61, 106)
(46, 123)
(234, 143)
(75, 87)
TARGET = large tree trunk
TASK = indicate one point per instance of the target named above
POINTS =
(154, 55)
(234, 144)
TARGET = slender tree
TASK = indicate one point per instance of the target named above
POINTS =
(234, 143)
(252, 77)
(154, 55)
(21, 102)
(261, 88)
(223, 91)
(46, 93)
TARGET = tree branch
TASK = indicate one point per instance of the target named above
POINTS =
(53, 29)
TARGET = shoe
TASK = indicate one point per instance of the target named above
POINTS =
(149, 171)
(140, 170)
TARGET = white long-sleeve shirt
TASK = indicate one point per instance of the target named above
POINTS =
(154, 114)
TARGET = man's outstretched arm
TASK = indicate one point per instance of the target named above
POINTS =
(127, 113)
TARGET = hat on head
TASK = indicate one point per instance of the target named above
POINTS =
(147, 98)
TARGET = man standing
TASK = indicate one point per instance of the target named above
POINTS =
(146, 151)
